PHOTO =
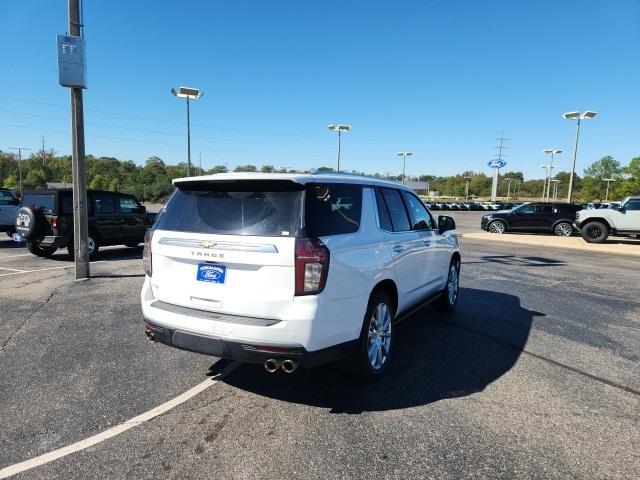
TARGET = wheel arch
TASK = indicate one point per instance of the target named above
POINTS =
(597, 219)
(562, 220)
(500, 219)
(389, 287)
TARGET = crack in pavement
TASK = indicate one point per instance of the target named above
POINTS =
(24, 323)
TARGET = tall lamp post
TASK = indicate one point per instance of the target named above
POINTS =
(551, 152)
(555, 187)
(578, 117)
(608, 180)
(339, 129)
(467, 179)
(509, 180)
(404, 156)
(546, 178)
(189, 94)
(19, 149)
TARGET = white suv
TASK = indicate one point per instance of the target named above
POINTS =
(288, 269)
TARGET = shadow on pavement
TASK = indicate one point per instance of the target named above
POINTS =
(520, 261)
(110, 254)
(436, 357)
(7, 243)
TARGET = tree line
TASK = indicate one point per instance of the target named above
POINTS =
(152, 181)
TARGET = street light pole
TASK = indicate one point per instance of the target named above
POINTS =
(466, 191)
(19, 149)
(188, 93)
(608, 180)
(546, 176)
(404, 156)
(339, 129)
(551, 152)
(578, 117)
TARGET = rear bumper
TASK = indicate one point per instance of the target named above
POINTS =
(245, 352)
(54, 241)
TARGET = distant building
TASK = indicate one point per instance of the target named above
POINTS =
(416, 186)
(58, 185)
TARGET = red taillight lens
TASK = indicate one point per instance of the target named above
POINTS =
(54, 222)
(312, 266)
(146, 253)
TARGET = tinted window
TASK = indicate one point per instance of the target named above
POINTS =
(544, 209)
(237, 208)
(128, 205)
(383, 212)
(44, 201)
(526, 209)
(333, 209)
(397, 212)
(104, 204)
(420, 217)
(632, 205)
(6, 197)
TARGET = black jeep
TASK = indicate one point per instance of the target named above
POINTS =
(45, 220)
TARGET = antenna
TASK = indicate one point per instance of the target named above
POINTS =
(502, 146)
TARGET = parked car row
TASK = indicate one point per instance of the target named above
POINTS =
(471, 206)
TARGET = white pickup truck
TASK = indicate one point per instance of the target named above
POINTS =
(596, 225)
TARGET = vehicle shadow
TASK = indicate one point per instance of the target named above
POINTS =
(9, 243)
(528, 261)
(109, 254)
(437, 357)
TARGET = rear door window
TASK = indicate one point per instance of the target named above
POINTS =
(397, 212)
(45, 201)
(104, 204)
(333, 209)
(128, 205)
(383, 212)
(264, 208)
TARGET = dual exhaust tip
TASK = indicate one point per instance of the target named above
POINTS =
(288, 366)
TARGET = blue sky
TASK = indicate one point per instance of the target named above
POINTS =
(439, 78)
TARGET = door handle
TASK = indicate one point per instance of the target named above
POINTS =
(398, 249)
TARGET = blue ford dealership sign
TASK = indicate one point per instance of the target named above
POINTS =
(496, 163)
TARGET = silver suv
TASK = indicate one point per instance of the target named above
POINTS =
(597, 224)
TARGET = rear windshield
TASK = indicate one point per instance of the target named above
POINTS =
(271, 209)
(44, 201)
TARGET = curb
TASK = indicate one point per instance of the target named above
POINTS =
(630, 247)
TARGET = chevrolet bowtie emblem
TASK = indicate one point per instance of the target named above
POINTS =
(207, 244)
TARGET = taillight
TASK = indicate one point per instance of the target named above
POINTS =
(312, 266)
(54, 222)
(146, 253)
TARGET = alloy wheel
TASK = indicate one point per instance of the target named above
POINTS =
(379, 339)
(564, 230)
(496, 227)
(452, 284)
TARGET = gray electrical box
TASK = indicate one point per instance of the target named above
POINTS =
(72, 66)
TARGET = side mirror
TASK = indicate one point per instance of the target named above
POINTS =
(446, 223)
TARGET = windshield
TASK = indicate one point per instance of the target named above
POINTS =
(44, 201)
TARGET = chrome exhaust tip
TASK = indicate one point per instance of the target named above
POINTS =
(272, 365)
(150, 336)
(289, 366)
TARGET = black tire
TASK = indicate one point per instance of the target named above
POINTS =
(563, 229)
(92, 254)
(31, 223)
(497, 227)
(594, 232)
(448, 300)
(359, 362)
(39, 251)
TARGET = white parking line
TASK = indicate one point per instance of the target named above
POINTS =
(13, 270)
(18, 272)
(20, 255)
(118, 429)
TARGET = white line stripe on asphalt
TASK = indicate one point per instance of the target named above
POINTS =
(13, 269)
(14, 256)
(18, 272)
(118, 429)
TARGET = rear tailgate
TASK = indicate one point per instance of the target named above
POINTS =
(228, 247)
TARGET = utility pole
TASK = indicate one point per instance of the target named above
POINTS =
(80, 219)
(509, 188)
(43, 155)
(200, 164)
(467, 179)
(19, 149)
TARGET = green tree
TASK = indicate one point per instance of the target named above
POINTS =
(218, 169)
(593, 185)
(98, 183)
(245, 168)
(10, 182)
(267, 169)
(35, 179)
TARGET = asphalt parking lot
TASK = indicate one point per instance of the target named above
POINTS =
(537, 375)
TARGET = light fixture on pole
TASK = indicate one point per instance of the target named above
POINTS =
(339, 129)
(551, 152)
(467, 179)
(608, 180)
(578, 117)
(546, 177)
(555, 187)
(19, 149)
(404, 156)
(189, 94)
